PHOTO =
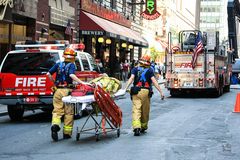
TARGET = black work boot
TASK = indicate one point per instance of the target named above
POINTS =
(143, 130)
(66, 136)
(136, 132)
(55, 128)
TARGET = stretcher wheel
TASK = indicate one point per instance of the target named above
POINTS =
(97, 137)
(118, 132)
(78, 136)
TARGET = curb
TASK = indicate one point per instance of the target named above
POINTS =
(3, 113)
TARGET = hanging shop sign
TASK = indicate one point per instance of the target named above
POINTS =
(151, 12)
(3, 7)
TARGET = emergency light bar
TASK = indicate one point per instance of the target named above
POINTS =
(41, 46)
(51, 45)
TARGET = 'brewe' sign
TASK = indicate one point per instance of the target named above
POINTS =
(151, 12)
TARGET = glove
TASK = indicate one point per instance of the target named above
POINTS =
(54, 89)
(120, 92)
(124, 91)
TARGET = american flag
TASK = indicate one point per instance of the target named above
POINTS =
(197, 49)
(68, 30)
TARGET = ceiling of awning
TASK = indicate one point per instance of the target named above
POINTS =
(93, 25)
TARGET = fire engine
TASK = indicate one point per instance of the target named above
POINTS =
(212, 69)
(23, 81)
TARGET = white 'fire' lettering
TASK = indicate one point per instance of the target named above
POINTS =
(32, 81)
(41, 82)
(28, 82)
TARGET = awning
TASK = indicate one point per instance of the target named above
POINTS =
(93, 25)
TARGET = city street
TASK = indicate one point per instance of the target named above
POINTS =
(185, 128)
(53, 48)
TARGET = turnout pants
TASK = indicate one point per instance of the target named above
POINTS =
(60, 109)
(140, 109)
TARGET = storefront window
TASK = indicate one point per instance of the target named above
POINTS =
(4, 33)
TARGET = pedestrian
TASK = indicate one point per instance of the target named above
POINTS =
(99, 66)
(163, 70)
(117, 69)
(65, 75)
(156, 70)
(125, 71)
(142, 77)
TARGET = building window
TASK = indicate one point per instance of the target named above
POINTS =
(213, 10)
(113, 4)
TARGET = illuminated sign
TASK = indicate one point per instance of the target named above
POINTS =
(3, 7)
(151, 12)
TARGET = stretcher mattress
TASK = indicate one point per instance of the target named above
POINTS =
(88, 98)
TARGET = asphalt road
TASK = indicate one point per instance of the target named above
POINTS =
(185, 128)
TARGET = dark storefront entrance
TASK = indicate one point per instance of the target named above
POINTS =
(107, 40)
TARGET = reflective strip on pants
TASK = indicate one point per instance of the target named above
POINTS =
(67, 130)
(136, 124)
(56, 121)
(144, 125)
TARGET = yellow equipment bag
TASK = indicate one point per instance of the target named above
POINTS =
(109, 84)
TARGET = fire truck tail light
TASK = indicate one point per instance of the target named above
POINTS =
(200, 82)
(210, 80)
(175, 82)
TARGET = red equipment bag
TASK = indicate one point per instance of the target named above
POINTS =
(82, 90)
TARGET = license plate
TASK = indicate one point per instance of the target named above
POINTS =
(188, 84)
(31, 99)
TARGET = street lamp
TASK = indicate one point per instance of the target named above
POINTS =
(130, 46)
(100, 39)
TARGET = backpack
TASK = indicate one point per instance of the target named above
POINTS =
(141, 76)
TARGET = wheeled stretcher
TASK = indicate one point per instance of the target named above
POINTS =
(108, 112)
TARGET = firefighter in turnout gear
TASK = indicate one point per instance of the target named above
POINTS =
(142, 77)
(65, 75)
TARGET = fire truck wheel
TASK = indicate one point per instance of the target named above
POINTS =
(227, 88)
(15, 112)
(174, 93)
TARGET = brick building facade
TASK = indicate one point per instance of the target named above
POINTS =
(36, 20)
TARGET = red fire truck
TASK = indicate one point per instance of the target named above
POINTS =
(213, 66)
(23, 81)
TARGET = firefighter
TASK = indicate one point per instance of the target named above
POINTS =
(65, 75)
(142, 77)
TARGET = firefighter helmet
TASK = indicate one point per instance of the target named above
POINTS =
(145, 60)
(69, 53)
